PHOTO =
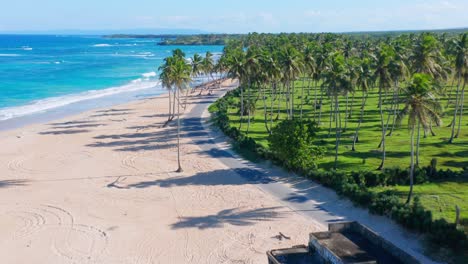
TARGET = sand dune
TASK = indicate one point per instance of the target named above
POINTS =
(100, 187)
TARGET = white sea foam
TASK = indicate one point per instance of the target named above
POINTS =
(102, 45)
(9, 55)
(54, 102)
(26, 48)
(149, 74)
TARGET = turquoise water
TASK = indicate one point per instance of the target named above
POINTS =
(39, 73)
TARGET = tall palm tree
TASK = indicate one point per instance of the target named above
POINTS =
(252, 70)
(460, 50)
(364, 81)
(196, 62)
(291, 64)
(208, 64)
(337, 82)
(382, 74)
(166, 82)
(178, 73)
(427, 57)
(309, 70)
(422, 107)
(235, 63)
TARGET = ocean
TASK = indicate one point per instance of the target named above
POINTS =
(40, 74)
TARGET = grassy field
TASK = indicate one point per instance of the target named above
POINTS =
(441, 197)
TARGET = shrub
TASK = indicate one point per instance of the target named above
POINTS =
(292, 142)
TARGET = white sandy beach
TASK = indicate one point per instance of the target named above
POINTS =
(100, 187)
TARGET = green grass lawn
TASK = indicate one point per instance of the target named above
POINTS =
(441, 197)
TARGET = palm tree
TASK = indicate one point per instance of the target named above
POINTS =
(208, 64)
(427, 57)
(422, 107)
(166, 82)
(252, 70)
(291, 66)
(337, 81)
(236, 69)
(309, 70)
(178, 73)
(364, 80)
(382, 74)
(196, 62)
(460, 50)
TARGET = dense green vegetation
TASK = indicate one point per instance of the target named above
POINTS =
(204, 39)
(393, 104)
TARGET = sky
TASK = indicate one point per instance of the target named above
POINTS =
(233, 16)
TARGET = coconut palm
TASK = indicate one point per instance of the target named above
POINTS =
(291, 64)
(422, 107)
(309, 70)
(196, 62)
(337, 81)
(460, 50)
(252, 69)
(382, 73)
(236, 69)
(364, 81)
(427, 57)
(166, 82)
(178, 73)
(208, 64)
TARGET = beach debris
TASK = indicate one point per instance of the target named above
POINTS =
(115, 183)
(280, 237)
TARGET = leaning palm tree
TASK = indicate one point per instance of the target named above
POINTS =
(178, 73)
(422, 107)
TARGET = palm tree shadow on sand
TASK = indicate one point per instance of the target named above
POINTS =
(238, 176)
(234, 216)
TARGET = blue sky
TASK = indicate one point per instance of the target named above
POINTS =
(233, 16)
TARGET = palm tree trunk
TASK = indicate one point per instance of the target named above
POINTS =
(170, 107)
(418, 140)
(351, 107)
(315, 102)
(356, 136)
(242, 106)
(178, 131)
(396, 107)
(174, 105)
(331, 118)
(346, 113)
(271, 105)
(382, 164)
(249, 106)
(411, 176)
(279, 102)
(302, 98)
(265, 112)
(451, 92)
(462, 99)
(292, 98)
(454, 120)
(338, 130)
(320, 110)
